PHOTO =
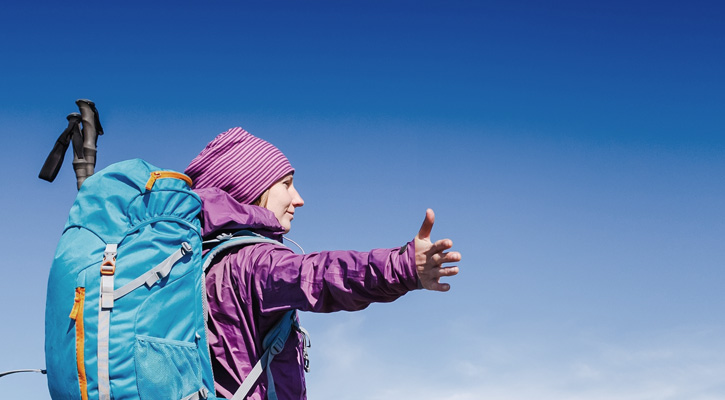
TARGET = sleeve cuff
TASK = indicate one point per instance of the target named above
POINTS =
(407, 253)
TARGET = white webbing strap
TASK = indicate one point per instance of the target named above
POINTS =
(198, 395)
(104, 386)
(108, 269)
(251, 379)
(155, 274)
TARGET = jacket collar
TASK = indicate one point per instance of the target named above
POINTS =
(221, 213)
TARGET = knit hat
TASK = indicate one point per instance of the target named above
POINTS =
(240, 164)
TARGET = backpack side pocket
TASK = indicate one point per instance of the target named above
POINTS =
(166, 369)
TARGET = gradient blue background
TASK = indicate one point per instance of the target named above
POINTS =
(574, 152)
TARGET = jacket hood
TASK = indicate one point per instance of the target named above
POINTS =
(221, 213)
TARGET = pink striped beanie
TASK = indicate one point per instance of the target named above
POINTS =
(240, 164)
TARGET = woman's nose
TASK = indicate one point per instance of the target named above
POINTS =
(297, 200)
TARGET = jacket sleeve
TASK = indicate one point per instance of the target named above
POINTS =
(326, 281)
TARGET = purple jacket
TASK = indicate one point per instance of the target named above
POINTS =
(250, 288)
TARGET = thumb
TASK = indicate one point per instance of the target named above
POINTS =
(427, 227)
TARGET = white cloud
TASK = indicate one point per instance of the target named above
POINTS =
(684, 364)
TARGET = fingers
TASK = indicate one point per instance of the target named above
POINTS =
(433, 280)
(447, 271)
(441, 258)
(427, 227)
(440, 245)
(440, 287)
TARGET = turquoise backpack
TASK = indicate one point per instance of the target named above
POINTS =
(126, 302)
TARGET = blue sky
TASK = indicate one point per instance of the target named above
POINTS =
(575, 154)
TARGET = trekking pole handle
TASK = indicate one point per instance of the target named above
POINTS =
(91, 129)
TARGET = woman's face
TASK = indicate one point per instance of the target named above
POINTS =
(282, 201)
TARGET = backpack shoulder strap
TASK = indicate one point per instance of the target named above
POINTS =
(275, 340)
(227, 241)
(273, 343)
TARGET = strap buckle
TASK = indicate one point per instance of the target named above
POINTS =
(306, 344)
(108, 267)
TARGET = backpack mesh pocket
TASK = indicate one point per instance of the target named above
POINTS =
(166, 369)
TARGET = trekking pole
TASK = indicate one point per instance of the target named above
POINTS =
(57, 154)
(42, 371)
(84, 144)
(91, 129)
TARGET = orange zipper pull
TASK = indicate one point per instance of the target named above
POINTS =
(77, 302)
(166, 174)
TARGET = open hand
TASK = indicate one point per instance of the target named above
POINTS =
(430, 257)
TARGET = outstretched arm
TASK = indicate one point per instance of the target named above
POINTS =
(430, 257)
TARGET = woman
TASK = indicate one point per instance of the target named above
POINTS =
(247, 183)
